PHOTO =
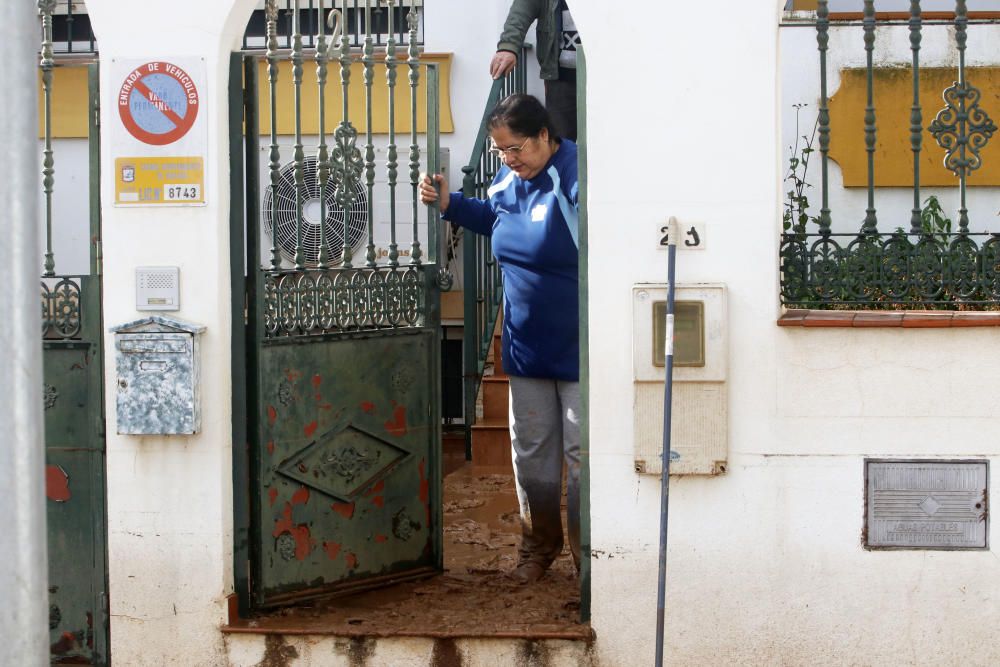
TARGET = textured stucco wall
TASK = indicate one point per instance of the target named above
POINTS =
(765, 563)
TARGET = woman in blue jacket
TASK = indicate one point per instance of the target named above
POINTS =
(531, 214)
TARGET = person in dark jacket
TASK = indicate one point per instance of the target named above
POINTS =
(557, 44)
(531, 215)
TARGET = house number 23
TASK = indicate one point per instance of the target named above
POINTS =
(693, 236)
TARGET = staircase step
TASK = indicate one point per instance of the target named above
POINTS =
(498, 371)
(496, 399)
(491, 443)
(492, 425)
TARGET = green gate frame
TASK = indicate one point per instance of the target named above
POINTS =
(73, 358)
(251, 341)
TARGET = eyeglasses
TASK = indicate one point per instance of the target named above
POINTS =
(513, 151)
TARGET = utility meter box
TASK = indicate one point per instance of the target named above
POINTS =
(158, 374)
(699, 431)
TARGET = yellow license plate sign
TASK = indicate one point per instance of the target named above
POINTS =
(147, 181)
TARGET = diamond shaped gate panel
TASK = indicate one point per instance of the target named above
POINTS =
(346, 465)
(343, 340)
(343, 462)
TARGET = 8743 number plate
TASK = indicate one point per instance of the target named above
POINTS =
(182, 192)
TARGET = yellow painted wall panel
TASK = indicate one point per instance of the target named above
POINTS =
(69, 99)
(893, 93)
(69, 102)
(355, 97)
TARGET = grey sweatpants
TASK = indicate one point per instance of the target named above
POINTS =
(545, 430)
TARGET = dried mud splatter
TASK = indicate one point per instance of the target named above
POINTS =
(474, 594)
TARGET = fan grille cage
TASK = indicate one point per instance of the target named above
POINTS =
(278, 212)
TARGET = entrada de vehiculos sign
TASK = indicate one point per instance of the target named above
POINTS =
(160, 154)
(158, 103)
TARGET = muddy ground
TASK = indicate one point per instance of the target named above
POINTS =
(474, 596)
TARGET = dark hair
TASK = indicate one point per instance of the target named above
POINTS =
(524, 115)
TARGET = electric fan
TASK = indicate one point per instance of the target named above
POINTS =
(278, 213)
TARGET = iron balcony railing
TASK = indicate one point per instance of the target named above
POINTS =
(72, 33)
(920, 262)
(481, 278)
(848, 10)
(383, 23)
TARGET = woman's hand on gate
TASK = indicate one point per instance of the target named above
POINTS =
(434, 190)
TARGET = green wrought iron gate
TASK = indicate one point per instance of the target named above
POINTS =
(74, 414)
(343, 379)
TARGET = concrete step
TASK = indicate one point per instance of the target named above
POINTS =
(317, 649)
(491, 443)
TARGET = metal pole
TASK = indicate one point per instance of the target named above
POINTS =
(668, 390)
(24, 577)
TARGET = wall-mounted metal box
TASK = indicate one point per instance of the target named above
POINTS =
(158, 375)
(157, 288)
(926, 504)
(700, 429)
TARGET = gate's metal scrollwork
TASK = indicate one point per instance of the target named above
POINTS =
(319, 298)
(340, 450)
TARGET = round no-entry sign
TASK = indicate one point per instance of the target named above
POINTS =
(158, 103)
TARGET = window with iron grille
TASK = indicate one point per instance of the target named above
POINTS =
(72, 33)
(892, 176)
(71, 29)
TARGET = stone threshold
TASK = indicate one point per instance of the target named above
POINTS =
(584, 634)
(294, 627)
(907, 319)
(244, 650)
(329, 625)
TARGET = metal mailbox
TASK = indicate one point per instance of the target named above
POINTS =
(158, 375)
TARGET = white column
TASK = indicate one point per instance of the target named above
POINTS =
(170, 497)
(23, 579)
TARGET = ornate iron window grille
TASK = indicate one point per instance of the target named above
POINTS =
(922, 267)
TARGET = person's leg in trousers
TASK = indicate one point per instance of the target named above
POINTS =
(560, 102)
(569, 400)
(536, 433)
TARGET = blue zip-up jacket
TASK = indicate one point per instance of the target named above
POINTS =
(534, 224)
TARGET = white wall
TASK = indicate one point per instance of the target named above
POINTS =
(765, 563)
(170, 498)
(453, 26)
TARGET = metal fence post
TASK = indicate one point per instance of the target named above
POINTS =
(24, 578)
